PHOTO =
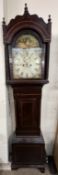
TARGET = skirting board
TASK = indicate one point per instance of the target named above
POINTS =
(5, 166)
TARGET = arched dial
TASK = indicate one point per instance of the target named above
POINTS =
(27, 58)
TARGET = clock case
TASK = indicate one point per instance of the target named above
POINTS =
(26, 144)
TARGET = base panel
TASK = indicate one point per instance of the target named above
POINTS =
(27, 151)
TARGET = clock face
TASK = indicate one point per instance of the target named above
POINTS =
(26, 63)
(27, 58)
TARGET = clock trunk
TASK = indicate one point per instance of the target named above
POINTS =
(27, 105)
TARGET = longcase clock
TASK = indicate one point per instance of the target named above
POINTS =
(27, 42)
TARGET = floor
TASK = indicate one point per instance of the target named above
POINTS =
(49, 170)
(27, 171)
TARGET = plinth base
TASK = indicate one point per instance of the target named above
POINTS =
(27, 151)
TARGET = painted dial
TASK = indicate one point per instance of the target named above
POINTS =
(27, 57)
(26, 63)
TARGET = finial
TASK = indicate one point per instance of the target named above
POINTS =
(49, 18)
(26, 9)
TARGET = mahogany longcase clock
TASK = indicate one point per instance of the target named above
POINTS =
(27, 40)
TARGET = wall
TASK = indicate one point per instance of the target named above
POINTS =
(42, 8)
(3, 94)
(49, 109)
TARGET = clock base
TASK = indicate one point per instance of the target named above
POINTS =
(15, 166)
(27, 151)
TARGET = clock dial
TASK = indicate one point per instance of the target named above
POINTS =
(26, 63)
(27, 58)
